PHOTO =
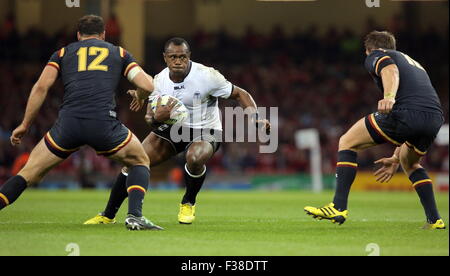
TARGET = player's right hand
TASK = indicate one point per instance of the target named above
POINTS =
(17, 135)
(385, 106)
(388, 169)
(162, 112)
(136, 103)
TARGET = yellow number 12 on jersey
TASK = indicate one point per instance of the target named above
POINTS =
(101, 53)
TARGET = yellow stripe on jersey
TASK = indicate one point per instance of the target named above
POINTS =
(419, 152)
(50, 139)
(122, 52)
(126, 141)
(54, 64)
(62, 52)
(129, 67)
(378, 63)
(378, 129)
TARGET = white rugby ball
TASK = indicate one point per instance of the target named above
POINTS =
(179, 112)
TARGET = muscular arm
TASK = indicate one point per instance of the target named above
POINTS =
(35, 101)
(145, 87)
(144, 83)
(248, 104)
(391, 80)
(244, 99)
(38, 94)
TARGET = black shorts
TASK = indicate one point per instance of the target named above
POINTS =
(184, 137)
(417, 129)
(68, 134)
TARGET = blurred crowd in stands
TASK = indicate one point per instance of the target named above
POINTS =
(316, 80)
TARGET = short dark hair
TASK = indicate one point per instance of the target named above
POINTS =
(91, 25)
(177, 41)
(383, 40)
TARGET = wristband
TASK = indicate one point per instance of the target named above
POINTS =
(389, 96)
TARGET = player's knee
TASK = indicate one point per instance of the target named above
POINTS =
(195, 163)
(137, 159)
(142, 160)
(408, 166)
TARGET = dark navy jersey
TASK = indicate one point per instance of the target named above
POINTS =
(415, 91)
(90, 71)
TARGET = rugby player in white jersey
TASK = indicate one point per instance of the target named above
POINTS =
(199, 87)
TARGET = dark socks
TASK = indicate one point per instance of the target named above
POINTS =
(118, 195)
(11, 190)
(424, 188)
(137, 185)
(193, 186)
(345, 175)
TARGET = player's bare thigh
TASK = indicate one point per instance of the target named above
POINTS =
(198, 155)
(409, 159)
(40, 162)
(157, 149)
(132, 154)
(356, 138)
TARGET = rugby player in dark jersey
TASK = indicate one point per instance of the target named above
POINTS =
(90, 70)
(409, 117)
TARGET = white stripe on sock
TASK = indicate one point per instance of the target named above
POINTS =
(194, 176)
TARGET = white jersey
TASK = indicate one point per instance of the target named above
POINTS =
(199, 92)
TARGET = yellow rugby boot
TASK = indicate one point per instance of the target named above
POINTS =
(100, 219)
(438, 225)
(186, 214)
(328, 212)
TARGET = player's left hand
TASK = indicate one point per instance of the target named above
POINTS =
(385, 106)
(388, 169)
(264, 125)
(17, 135)
(136, 103)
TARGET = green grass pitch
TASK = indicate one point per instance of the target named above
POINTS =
(268, 223)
